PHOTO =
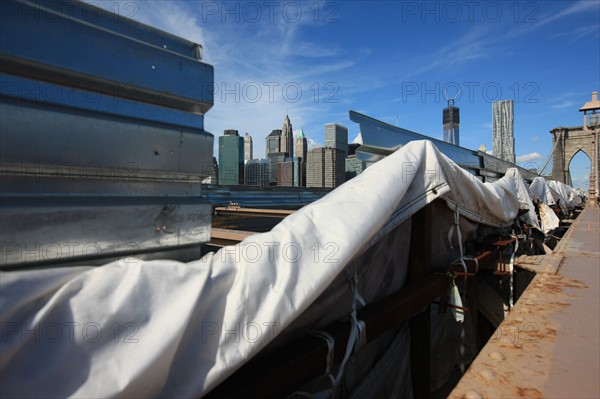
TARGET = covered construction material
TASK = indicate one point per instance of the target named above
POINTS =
(165, 328)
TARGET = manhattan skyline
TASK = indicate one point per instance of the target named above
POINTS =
(394, 61)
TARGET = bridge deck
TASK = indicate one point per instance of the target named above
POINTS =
(549, 345)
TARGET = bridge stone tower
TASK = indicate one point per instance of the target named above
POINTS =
(568, 141)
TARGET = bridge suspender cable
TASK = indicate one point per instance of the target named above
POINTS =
(549, 156)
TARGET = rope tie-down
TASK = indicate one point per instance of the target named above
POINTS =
(356, 340)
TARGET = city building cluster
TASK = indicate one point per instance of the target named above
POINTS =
(287, 162)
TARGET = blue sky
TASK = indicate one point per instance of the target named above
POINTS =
(394, 61)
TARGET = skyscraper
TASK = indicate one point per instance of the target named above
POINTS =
(288, 172)
(451, 121)
(211, 171)
(301, 154)
(256, 172)
(301, 145)
(273, 142)
(336, 136)
(248, 150)
(325, 167)
(503, 138)
(231, 158)
(354, 166)
(275, 158)
(287, 138)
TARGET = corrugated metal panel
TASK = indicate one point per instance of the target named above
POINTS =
(42, 230)
(103, 148)
(38, 134)
(47, 41)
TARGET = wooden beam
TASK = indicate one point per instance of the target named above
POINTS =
(420, 324)
(224, 237)
(278, 213)
(278, 373)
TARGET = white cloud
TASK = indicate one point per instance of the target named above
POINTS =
(482, 43)
(575, 8)
(358, 139)
(468, 47)
(564, 104)
(578, 33)
(529, 157)
(312, 144)
(256, 81)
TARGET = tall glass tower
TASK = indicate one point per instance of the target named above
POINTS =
(231, 158)
(503, 136)
(451, 121)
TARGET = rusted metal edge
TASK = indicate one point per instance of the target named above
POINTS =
(539, 348)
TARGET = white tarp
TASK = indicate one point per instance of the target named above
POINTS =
(546, 197)
(548, 218)
(165, 328)
(554, 193)
(569, 197)
(541, 191)
(524, 196)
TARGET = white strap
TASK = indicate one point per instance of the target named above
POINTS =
(357, 338)
(355, 330)
(460, 318)
(511, 266)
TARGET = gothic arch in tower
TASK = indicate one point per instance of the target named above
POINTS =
(567, 142)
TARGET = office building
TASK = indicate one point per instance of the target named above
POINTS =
(503, 138)
(256, 172)
(325, 167)
(274, 159)
(231, 158)
(301, 152)
(287, 138)
(336, 136)
(301, 149)
(211, 172)
(354, 166)
(272, 143)
(289, 172)
(248, 147)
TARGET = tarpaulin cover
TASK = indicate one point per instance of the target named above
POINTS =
(166, 328)
(541, 191)
(569, 197)
(524, 195)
